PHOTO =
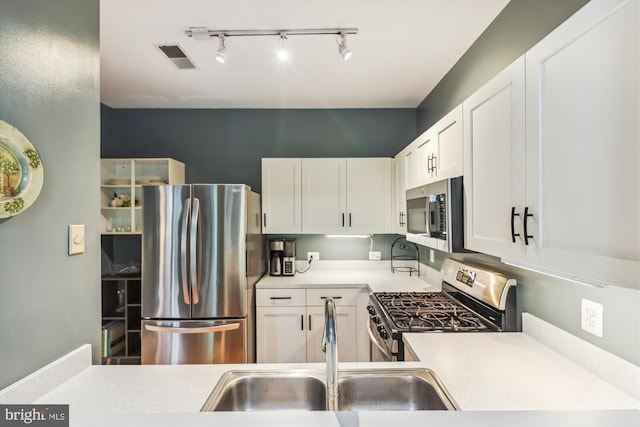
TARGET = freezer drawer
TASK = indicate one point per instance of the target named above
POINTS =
(176, 342)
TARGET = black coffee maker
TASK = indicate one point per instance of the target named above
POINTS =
(282, 257)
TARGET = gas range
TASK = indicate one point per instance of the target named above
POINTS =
(472, 299)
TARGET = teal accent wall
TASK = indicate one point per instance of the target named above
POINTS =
(225, 146)
(50, 91)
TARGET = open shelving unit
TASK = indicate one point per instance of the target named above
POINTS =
(121, 242)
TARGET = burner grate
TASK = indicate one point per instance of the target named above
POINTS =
(428, 311)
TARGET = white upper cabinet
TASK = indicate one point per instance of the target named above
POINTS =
(583, 145)
(369, 195)
(437, 153)
(446, 157)
(494, 164)
(399, 214)
(324, 204)
(346, 196)
(551, 170)
(281, 196)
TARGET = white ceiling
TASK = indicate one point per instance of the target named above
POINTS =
(402, 50)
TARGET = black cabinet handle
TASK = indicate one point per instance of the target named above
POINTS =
(279, 297)
(434, 164)
(309, 322)
(513, 230)
(343, 220)
(302, 322)
(331, 297)
(349, 219)
(526, 233)
(265, 219)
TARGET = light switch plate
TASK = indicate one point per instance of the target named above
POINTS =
(76, 239)
(375, 255)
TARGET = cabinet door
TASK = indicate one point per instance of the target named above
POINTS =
(447, 159)
(411, 166)
(494, 161)
(281, 196)
(399, 215)
(583, 184)
(346, 334)
(425, 152)
(280, 335)
(324, 201)
(368, 195)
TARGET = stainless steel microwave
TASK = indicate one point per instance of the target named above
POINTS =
(435, 215)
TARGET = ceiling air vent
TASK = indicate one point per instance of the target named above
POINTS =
(176, 55)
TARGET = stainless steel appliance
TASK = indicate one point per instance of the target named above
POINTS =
(202, 255)
(435, 215)
(473, 299)
(282, 256)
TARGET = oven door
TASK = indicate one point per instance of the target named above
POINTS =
(379, 347)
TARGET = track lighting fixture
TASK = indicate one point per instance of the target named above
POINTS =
(343, 49)
(203, 33)
(221, 55)
(283, 54)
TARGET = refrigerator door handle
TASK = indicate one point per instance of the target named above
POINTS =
(193, 234)
(183, 252)
(194, 330)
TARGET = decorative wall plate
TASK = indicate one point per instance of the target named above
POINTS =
(21, 171)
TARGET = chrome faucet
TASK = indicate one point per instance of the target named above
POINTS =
(330, 347)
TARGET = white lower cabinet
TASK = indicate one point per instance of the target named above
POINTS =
(290, 322)
(280, 334)
(346, 322)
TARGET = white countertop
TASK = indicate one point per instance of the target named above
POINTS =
(486, 373)
(377, 275)
(512, 371)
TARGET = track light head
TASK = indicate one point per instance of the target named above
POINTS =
(343, 49)
(283, 54)
(221, 55)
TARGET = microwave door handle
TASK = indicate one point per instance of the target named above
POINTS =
(193, 236)
(183, 252)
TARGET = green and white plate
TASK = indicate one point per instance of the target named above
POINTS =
(21, 171)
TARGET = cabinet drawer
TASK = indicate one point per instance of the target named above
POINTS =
(278, 297)
(341, 296)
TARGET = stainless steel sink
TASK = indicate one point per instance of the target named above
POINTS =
(358, 389)
(392, 390)
(267, 390)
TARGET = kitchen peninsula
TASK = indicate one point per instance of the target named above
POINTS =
(517, 378)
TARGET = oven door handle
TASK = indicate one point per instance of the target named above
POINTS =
(387, 354)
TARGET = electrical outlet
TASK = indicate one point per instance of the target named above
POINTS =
(591, 317)
(375, 255)
(432, 257)
(315, 255)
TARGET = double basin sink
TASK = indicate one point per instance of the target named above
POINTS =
(358, 390)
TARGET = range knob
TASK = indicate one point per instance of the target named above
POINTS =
(376, 320)
(371, 310)
(383, 332)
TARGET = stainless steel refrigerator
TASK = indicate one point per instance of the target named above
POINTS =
(202, 254)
